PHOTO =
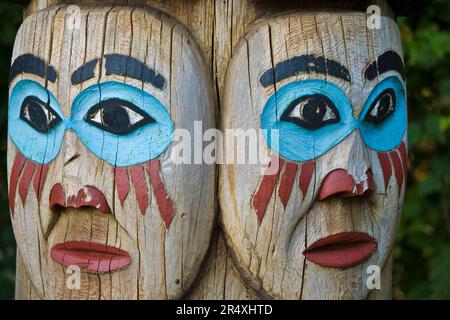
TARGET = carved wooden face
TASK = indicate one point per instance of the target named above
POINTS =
(334, 92)
(95, 98)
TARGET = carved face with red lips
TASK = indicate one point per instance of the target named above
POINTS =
(334, 94)
(92, 113)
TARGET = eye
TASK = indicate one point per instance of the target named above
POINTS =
(39, 115)
(311, 112)
(382, 107)
(118, 117)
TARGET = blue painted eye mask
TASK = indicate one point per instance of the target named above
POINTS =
(313, 116)
(119, 123)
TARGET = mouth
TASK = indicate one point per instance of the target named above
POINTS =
(94, 258)
(341, 250)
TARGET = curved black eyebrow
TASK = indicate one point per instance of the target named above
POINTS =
(388, 61)
(29, 63)
(133, 68)
(84, 73)
(301, 64)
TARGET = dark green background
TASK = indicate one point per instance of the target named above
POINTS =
(422, 252)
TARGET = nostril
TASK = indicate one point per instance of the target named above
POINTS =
(339, 182)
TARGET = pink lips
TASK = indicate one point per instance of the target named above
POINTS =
(341, 250)
(94, 258)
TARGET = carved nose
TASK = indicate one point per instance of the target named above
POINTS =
(88, 196)
(339, 182)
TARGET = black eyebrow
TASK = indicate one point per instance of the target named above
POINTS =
(84, 73)
(29, 63)
(304, 63)
(133, 68)
(388, 61)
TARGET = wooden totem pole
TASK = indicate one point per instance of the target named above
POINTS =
(98, 90)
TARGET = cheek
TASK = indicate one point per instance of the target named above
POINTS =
(136, 176)
(395, 162)
(288, 172)
(23, 173)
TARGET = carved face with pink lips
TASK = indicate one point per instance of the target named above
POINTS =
(334, 93)
(92, 113)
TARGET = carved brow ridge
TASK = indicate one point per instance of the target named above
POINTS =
(304, 64)
(123, 66)
(31, 64)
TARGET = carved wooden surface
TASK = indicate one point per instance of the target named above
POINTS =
(166, 252)
(269, 245)
(213, 55)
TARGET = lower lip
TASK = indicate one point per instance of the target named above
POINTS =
(342, 250)
(92, 257)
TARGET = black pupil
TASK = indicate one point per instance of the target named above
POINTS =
(38, 116)
(384, 105)
(314, 110)
(34, 113)
(116, 118)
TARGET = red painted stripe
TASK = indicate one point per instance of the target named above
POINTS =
(386, 167)
(262, 197)
(25, 180)
(122, 183)
(287, 181)
(140, 187)
(397, 169)
(39, 179)
(404, 157)
(19, 161)
(163, 200)
(305, 176)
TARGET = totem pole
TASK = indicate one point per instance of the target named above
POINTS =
(98, 90)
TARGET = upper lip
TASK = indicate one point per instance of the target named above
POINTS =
(341, 250)
(93, 257)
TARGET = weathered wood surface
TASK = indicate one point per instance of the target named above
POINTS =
(269, 253)
(225, 46)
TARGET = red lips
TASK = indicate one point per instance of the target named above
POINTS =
(341, 250)
(94, 258)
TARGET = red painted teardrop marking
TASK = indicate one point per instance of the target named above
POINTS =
(17, 167)
(262, 196)
(140, 187)
(39, 179)
(287, 181)
(122, 183)
(25, 180)
(386, 167)
(404, 157)
(163, 200)
(305, 176)
(398, 169)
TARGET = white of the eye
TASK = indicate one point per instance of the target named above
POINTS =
(134, 116)
(297, 112)
(97, 117)
(50, 116)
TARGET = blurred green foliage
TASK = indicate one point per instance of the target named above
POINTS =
(422, 251)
